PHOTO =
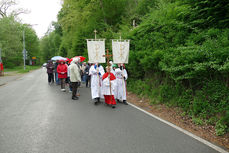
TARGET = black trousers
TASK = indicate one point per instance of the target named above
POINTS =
(75, 86)
(87, 77)
(62, 81)
(50, 77)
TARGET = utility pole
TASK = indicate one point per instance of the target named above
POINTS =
(24, 51)
(1, 65)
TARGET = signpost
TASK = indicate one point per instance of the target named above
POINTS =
(33, 60)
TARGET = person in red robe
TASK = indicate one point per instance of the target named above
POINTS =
(108, 88)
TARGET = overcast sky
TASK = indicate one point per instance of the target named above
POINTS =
(42, 13)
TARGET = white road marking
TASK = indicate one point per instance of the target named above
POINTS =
(182, 130)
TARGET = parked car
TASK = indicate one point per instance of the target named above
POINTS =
(44, 65)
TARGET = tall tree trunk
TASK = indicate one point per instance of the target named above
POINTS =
(136, 2)
(101, 5)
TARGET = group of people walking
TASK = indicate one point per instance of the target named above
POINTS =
(110, 85)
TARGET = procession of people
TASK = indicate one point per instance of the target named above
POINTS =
(108, 86)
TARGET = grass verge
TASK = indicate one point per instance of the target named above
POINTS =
(20, 69)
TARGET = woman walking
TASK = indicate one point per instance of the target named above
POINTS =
(62, 70)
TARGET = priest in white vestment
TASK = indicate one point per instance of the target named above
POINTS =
(96, 72)
(121, 77)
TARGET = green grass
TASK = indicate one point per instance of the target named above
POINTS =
(20, 69)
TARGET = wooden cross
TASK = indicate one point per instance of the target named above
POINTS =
(95, 33)
(107, 56)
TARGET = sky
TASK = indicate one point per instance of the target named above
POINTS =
(41, 15)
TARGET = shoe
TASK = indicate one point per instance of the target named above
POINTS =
(96, 103)
(124, 102)
(113, 106)
(63, 90)
(75, 98)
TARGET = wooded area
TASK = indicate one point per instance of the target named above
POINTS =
(11, 35)
(178, 56)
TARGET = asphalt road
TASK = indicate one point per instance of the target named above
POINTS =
(38, 118)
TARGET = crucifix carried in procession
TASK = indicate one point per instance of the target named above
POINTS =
(108, 56)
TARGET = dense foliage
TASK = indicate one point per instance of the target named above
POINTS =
(11, 35)
(179, 49)
(11, 41)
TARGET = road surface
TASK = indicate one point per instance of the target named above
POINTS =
(38, 118)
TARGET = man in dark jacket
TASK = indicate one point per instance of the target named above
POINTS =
(50, 68)
(86, 74)
(56, 74)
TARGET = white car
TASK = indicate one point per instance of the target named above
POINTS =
(44, 65)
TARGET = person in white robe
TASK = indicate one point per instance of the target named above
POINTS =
(96, 72)
(121, 77)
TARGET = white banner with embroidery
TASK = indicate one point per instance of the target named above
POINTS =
(96, 50)
(120, 50)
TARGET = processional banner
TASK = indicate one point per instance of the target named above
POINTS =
(120, 50)
(96, 50)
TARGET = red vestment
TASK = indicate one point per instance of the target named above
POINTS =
(109, 99)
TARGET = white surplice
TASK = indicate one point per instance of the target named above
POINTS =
(96, 81)
(106, 90)
(121, 83)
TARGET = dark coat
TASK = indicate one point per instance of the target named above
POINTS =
(86, 71)
(50, 67)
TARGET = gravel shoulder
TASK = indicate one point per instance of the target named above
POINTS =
(9, 76)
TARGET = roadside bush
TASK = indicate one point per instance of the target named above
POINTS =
(191, 61)
(12, 62)
(220, 128)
